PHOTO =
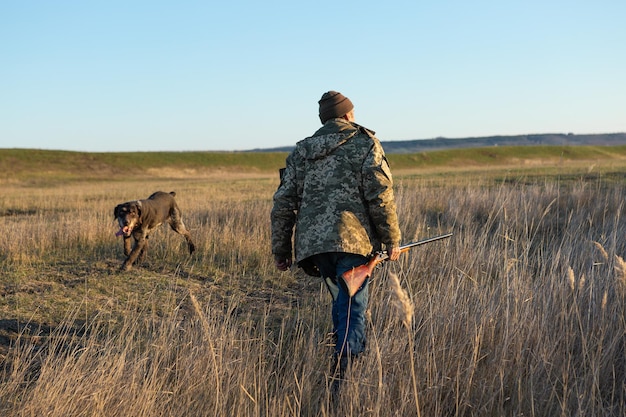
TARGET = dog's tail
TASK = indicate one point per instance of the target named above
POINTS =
(172, 193)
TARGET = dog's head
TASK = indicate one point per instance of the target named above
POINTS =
(128, 216)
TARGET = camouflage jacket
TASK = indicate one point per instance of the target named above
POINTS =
(336, 190)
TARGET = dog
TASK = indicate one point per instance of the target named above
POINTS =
(137, 219)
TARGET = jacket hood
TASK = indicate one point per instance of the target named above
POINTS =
(329, 137)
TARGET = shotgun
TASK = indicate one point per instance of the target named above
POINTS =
(355, 277)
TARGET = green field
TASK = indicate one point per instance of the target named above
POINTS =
(44, 165)
(521, 312)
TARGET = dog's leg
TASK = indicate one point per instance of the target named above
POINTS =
(134, 254)
(127, 245)
(177, 225)
(190, 244)
(144, 250)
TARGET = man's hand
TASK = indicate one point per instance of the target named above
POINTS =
(394, 253)
(281, 263)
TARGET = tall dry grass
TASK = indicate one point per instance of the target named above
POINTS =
(520, 313)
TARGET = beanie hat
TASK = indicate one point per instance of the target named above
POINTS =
(334, 104)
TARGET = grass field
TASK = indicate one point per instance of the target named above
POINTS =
(521, 312)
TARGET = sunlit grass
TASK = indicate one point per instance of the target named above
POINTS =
(521, 312)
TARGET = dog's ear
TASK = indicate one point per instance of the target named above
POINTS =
(137, 205)
(116, 211)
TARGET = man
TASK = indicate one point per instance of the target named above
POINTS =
(336, 190)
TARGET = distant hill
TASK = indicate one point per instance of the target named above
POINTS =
(49, 167)
(551, 139)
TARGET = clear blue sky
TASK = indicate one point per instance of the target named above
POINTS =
(236, 75)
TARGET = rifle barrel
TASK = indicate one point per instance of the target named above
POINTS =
(423, 241)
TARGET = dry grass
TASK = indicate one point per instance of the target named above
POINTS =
(520, 313)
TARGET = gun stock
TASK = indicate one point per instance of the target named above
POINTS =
(353, 279)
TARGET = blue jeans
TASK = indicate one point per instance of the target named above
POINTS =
(348, 312)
